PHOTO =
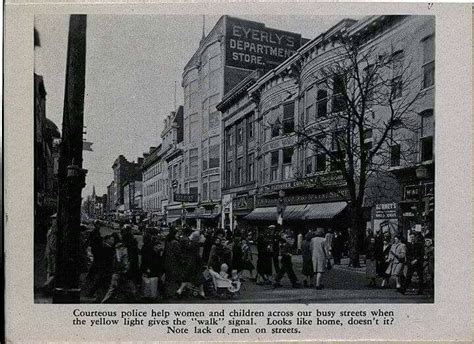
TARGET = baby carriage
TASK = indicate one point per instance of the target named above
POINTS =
(225, 287)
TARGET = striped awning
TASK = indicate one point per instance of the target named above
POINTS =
(294, 212)
(322, 211)
(263, 214)
(317, 211)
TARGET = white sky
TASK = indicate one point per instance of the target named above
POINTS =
(132, 64)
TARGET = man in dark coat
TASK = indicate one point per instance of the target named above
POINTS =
(286, 266)
(103, 267)
(131, 244)
(415, 256)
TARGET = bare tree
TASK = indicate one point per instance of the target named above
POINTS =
(359, 115)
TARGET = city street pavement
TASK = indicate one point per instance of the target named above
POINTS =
(342, 284)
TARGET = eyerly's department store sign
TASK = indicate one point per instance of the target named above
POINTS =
(251, 45)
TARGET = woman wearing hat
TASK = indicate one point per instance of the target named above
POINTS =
(308, 270)
(319, 255)
(396, 258)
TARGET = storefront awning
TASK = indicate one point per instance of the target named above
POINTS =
(263, 214)
(294, 212)
(321, 211)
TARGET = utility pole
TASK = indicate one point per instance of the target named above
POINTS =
(70, 174)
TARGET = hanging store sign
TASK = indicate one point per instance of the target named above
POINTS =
(386, 211)
(251, 45)
(185, 197)
(417, 191)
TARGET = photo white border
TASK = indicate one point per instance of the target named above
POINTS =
(449, 318)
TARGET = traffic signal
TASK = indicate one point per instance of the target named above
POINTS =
(429, 205)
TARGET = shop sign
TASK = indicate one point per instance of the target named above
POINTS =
(386, 211)
(303, 198)
(251, 45)
(417, 191)
(243, 203)
(332, 179)
(185, 197)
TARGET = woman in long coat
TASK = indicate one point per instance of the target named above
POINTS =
(172, 263)
(396, 259)
(192, 264)
(319, 255)
(308, 270)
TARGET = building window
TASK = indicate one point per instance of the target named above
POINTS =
(322, 102)
(213, 119)
(427, 148)
(250, 168)
(230, 138)
(240, 134)
(193, 125)
(320, 162)
(428, 61)
(229, 174)
(338, 98)
(274, 161)
(309, 101)
(276, 128)
(309, 163)
(175, 172)
(287, 166)
(193, 94)
(289, 118)
(214, 190)
(193, 190)
(214, 151)
(239, 175)
(193, 162)
(398, 59)
(426, 135)
(395, 155)
(204, 192)
(250, 128)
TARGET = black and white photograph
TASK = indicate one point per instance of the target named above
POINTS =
(196, 159)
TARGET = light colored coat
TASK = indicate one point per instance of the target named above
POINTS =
(396, 258)
(319, 254)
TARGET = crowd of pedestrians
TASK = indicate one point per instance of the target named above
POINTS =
(186, 262)
(388, 257)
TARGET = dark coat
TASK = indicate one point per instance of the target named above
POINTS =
(152, 261)
(192, 264)
(173, 264)
(307, 258)
(218, 256)
(264, 258)
(131, 244)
